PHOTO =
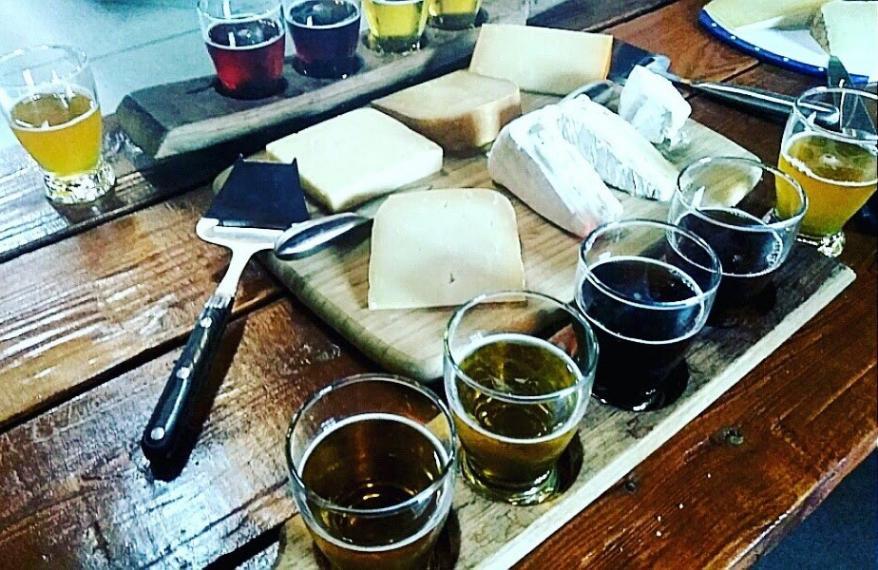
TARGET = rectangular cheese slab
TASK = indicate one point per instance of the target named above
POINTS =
(543, 60)
(357, 156)
(438, 248)
(462, 111)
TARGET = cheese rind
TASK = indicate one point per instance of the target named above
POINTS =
(439, 248)
(357, 156)
(461, 111)
(532, 159)
(621, 155)
(653, 106)
(544, 60)
(849, 30)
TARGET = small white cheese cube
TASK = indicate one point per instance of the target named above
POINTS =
(357, 156)
(443, 247)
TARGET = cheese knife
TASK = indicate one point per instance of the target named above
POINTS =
(260, 207)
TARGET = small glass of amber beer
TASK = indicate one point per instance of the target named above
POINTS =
(454, 14)
(519, 367)
(48, 96)
(372, 461)
(829, 147)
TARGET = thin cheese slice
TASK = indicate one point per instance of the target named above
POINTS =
(461, 111)
(786, 13)
(357, 156)
(544, 60)
(443, 247)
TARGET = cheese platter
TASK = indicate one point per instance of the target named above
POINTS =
(513, 218)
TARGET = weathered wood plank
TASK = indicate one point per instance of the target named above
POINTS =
(76, 491)
(74, 312)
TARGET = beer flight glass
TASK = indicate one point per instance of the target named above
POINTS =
(829, 147)
(647, 288)
(325, 34)
(48, 96)
(454, 14)
(519, 367)
(749, 213)
(245, 40)
(372, 461)
(395, 26)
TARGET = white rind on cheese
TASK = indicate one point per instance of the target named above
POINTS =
(621, 155)
(543, 60)
(849, 30)
(357, 156)
(439, 248)
(461, 111)
(653, 106)
(533, 160)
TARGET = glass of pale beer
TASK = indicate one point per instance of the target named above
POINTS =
(829, 147)
(48, 96)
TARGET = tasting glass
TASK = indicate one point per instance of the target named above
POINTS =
(733, 205)
(395, 26)
(647, 288)
(325, 34)
(381, 492)
(519, 367)
(48, 97)
(829, 147)
(245, 40)
(454, 14)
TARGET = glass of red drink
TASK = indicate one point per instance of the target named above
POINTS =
(245, 40)
(325, 34)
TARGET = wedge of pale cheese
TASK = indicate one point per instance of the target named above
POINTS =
(461, 111)
(438, 248)
(653, 106)
(849, 30)
(620, 154)
(536, 163)
(357, 156)
(544, 60)
(770, 13)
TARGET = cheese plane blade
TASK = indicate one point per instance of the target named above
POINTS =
(260, 207)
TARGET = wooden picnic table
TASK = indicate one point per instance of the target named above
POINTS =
(96, 302)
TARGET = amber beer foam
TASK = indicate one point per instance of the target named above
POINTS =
(62, 131)
(837, 176)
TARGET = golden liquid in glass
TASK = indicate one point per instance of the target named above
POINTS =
(837, 176)
(531, 436)
(395, 25)
(62, 131)
(454, 14)
(374, 461)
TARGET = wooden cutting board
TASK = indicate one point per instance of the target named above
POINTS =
(334, 283)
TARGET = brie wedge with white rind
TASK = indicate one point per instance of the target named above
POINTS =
(621, 155)
(653, 106)
(533, 160)
(438, 248)
(357, 156)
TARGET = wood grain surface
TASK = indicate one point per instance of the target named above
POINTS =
(75, 492)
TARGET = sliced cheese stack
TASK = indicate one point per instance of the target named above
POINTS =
(443, 247)
(622, 157)
(533, 160)
(849, 30)
(357, 156)
(653, 106)
(461, 111)
(544, 60)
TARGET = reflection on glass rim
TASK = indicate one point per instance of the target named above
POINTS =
(75, 54)
(822, 90)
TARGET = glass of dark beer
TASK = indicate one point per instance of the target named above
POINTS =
(325, 34)
(372, 461)
(646, 301)
(519, 367)
(750, 215)
(245, 40)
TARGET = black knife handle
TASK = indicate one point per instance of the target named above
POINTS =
(775, 105)
(176, 404)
